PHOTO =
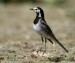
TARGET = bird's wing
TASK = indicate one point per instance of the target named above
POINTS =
(47, 29)
(49, 32)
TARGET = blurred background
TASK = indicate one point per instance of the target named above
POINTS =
(18, 38)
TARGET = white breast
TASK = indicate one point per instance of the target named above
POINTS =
(37, 27)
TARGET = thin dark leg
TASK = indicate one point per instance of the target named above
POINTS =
(45, 44)
(42, 39)
(42, 42)
(41, 45)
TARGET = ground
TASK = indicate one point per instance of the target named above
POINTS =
(19, 41)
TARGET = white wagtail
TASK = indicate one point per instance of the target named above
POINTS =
(41, 27)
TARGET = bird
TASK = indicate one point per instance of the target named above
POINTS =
(43, 29)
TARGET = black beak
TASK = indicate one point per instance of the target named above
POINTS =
(31, 9)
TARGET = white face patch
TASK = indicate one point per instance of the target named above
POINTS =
(36, 10)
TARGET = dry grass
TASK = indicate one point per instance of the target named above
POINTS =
(18, 39)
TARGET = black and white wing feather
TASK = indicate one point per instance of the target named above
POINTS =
(46, 30)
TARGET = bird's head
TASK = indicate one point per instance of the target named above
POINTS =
(38, 11)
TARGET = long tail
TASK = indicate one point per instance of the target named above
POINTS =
(60, 44)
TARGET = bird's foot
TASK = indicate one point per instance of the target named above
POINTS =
(40, 50)
(39, 53)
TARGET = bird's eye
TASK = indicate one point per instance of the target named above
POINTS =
(35, 9)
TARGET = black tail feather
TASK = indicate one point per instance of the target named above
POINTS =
(61, 45)
(50, 41)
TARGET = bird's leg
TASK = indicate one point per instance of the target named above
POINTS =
(42, 42)
(41, 45)
(45, 44)
(42, 39)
